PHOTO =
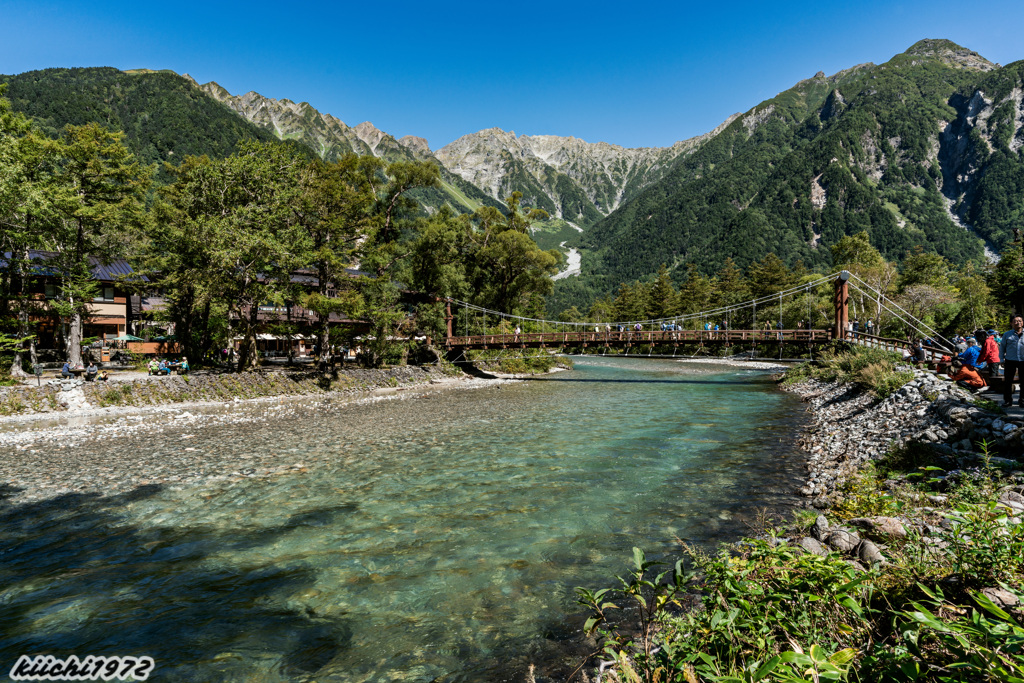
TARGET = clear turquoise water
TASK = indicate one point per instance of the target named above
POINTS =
(435, 538)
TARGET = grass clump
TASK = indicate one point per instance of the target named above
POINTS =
(880, 372)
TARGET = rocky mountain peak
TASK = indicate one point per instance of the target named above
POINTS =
(370, 134)
(214, 90)
(415, 144)
(950, 53)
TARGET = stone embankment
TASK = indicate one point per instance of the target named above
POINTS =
(77, 396)
(850, 427)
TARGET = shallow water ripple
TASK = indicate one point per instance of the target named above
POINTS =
(434, 538)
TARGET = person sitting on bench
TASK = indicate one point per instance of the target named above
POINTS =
(90, 372)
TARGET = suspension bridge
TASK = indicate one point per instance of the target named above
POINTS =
(470, 327)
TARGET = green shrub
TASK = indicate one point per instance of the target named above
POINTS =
(872, 369)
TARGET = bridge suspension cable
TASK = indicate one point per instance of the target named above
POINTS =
(699, 315)
(908, 319)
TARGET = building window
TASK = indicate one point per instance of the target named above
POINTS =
(50, 291)
(107, 294)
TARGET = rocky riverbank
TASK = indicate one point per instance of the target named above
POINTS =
(118, 449)
(850, 428)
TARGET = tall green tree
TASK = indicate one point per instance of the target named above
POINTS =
(922, 267)
(696, 292)
(334, 210)
(664, 299)
(769, 276)
(385, 252)
(26, 163)
(99, 207)
(233, 218)
(507, 267)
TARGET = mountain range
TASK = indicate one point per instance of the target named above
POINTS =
(923, 150)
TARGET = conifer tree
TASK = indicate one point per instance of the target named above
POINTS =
(98, 203)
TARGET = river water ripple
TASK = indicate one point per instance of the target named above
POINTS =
(434, 538)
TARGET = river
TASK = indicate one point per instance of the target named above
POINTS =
(434, 538)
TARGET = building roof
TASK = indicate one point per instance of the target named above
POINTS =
(113, 270)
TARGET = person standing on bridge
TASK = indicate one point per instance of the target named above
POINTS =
(517, 333)
(869, 327)
(1011, 353)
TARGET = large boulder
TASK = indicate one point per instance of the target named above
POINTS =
(820, 529)
(812, 546)
(880, 527)
(843, 540)
(869, 553)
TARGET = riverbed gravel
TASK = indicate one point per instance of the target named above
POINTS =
(105, 451)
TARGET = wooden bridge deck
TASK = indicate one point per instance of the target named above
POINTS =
(627, 338)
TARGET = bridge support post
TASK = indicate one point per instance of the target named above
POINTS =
(448, 319)
(842, 300)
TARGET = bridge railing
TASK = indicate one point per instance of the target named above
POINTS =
(933, 354)
(629, 337)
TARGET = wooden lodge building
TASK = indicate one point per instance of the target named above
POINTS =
(118, 310)
(109, 312)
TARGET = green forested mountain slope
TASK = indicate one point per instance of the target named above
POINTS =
(164, 117)
(886, 149)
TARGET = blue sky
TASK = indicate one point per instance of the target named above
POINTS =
(634, 74)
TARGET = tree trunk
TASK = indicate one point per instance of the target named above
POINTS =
(249, 357)
(73, 342)
(23, 331)
(288, 336)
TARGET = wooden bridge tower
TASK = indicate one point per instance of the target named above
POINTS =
(842, 301)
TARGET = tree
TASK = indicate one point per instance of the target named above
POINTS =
(631, 302)
(333, 209)
(664, 300)
(507, 267)
(925, 268)
(769, 276)
(731, 286)
(99, 203)
(1007, 277)
(921, 301)
(696, 293)
(230, 237)
(24, 202)
(973, 294)
(856, 254)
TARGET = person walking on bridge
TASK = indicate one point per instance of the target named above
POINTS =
(1011, 353)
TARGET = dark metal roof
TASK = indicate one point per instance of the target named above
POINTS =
(113, 270)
